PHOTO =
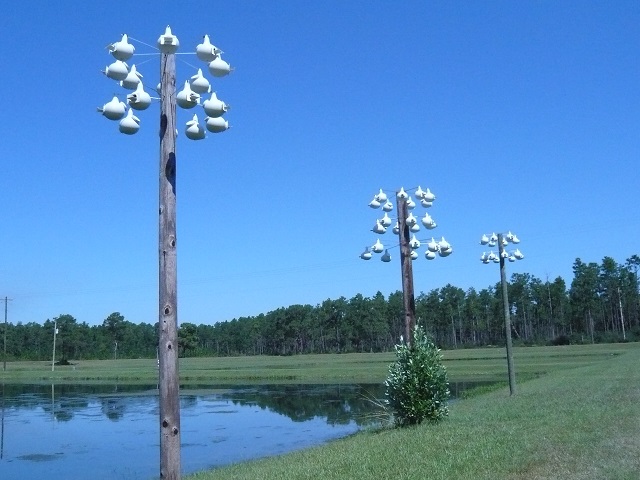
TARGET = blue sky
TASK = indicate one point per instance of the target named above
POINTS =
(519, 116)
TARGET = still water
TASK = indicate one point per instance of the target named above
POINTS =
(68, 432)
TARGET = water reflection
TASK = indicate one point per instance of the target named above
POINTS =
(98, 431)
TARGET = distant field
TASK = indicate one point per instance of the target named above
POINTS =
(483, 364)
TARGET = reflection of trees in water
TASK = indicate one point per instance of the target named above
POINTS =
(339, 404)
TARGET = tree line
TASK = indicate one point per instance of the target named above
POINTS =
(602, 304)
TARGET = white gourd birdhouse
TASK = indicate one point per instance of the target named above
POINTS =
(379, 228)
(509, 236)
(206, 51)
(114, 109)
(385, 220)
(199, 83)
(445, 253)
(484, 240)
(515, 239)
(194, 130)
(415, 227)
(493, 238)
(132, 80)
(504, 254)
(374, 203)
(428, 196)
(118, 70)
(413, 254)
(512, 258)
(518, 254)
(443, 245)
(402, 194)
(216, 124)
(129, 124)
(139, 100)
(411, 220)
(168, 42)
(432, 246)
(214, 107)
(414, 242)
(396, 229)
(483, 257)
(187, 98)
(366, 255)
(426, 220)
(386, 256)
(425, 203)
(381, 196)
(122, 50)
(491, 243)
(218, 67)
(388, 206)
(419, 193)
(377, 247)
(429, 255)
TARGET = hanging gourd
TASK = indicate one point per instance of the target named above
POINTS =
(129, 124)
(429, 255)
(168, 43)
(396, 228)
(413, 254)
(206, 51)
(385, 220)
(199, 83)
(493, 238)
(374, 203)
(381, 196)
(515, 239)
(518, 254)
(388, 206)
(377, 247)
(118, 70)
(415, 227)
(410, 203)
(402, 194)
(214, 107)
(414, 242)
(187, 98)
(483, 257)
(428, 196)
(122, 50)
(114, 109)
(432, 246)
(444, 246)
(419, 193)
(139, 100)
(132, 80)
(194, 130)
(386, 256)
(379, 228)
(484, 240)
(425, 203)
(218, 67)
(366, 255)
(216, 124)
(411, 220)
(512, 258)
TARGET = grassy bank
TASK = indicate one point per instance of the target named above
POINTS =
(574, 422)
(483, 364)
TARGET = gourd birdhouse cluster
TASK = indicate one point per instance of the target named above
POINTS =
(493, 240)
(413, 223)
(129, 78)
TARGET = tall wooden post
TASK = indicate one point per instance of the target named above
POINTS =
(507, 318)
(168, 283)
(406, 266)
(4, 357)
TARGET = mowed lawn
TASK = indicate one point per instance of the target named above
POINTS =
(483, 364)
(580, 420)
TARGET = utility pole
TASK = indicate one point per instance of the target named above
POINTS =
(507, 318)
(4, 358)
(168, 284)
(55, 333)
(406, 269)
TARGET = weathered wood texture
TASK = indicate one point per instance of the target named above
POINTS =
(406, 267)
(168, 283)
(507, 317)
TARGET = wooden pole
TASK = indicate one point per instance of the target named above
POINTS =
(4, 362)
(55, 333)
(168, 298)
(407, 272)
(507, 318)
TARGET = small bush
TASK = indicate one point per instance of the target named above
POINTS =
(417, 384)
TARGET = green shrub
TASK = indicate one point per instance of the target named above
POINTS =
(417, 387)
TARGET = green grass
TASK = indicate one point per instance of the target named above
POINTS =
(580, 420)
(483, 364)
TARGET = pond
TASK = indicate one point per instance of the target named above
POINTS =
(111, 432)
